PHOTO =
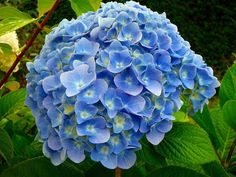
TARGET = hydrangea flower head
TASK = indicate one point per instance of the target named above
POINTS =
(108, 78)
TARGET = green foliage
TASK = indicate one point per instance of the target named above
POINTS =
(40, 166)
(82, 6)
(204, 121)
(7, 11)
(13, 19)
(187, 143)
(11, 100)
(150, 156)
(228, 86)
(5, 48)
(44, 6)
(176, 172)
(214, 169)
(224, 132)
(6, 147)
(229, 110)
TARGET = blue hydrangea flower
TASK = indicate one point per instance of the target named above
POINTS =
(105, 80)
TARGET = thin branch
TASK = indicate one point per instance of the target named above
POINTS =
(118, 172)
(231, 150)
(220, 159)
(29, 42)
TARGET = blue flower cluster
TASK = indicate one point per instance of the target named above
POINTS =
(108, 78)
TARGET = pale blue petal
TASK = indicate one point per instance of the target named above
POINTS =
(154, 136)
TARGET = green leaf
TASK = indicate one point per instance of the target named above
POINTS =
(228, 86)
(187, 143)
(229, 111)
(10, 100)
(13, 23)
(8, 11)
(214, 169)
(6, 147)
(181, 116)
(12, 85)
(224, 132)
(20, 143)
(204, 121)
(41, 167)
(5, 48)
(44, 6)
(149, 155)
(82, 6)
(175, 171)
(13, 19)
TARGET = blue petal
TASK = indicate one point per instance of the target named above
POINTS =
(204, 78)
(91, 94)
(76, 80)
(119, 61)
(118, 143)
(207, 92)
(84, 111)
(173, 79)
(110, 162)
(77, 28)
(187, 75)
(164, 126)
(128, 82)
(96, 123)
(107, 76)
(155, 87)
(164, 41)
(133, 104)
(163, 60)
(105, 22)
(86, 47)
(116, 46)
(43, 125)
(90, 61)
(154, 136)
(188, 71)
(55, 115)
(123, 18)
(149, 39)
(76, 155)
(66, 53)
(48, 102)
(54, 142)
(51, 83)
(100, 152)
(130, 33)
(54, 64)
(122, 121)
(101, 136)
(126, 159)
(56, 157)
(111, 102)
(103, 59)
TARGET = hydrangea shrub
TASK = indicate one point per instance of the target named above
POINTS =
(108, 78)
